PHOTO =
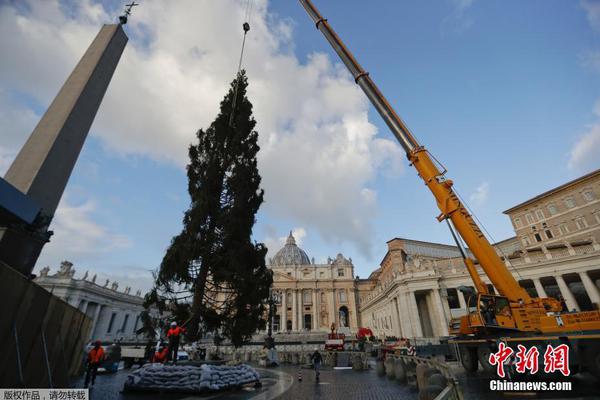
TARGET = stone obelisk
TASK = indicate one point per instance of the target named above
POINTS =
(42, 168)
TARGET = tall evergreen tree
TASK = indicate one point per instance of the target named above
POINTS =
(214, 252)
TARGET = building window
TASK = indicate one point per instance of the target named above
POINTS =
(552, 209)
(342, 296)
(563, 228)
(289, 297)
(340, 271)
(549, 234)
(538, 237)
(321, 274)
(289, 274)
(518, 223)
(529, 218)
(589, 195)
(539, 214)
(135, 326)
(570, 202)
(124, 325)
(111, 322)
(526, 241)
(581, 223)
(306, 297)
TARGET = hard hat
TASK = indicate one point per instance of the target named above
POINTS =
(173, 323)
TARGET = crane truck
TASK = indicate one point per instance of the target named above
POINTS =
(516, 317)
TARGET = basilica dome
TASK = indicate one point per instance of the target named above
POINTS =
(290, 254)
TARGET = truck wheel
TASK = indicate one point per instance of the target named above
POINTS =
(468, 358)
(483, 354)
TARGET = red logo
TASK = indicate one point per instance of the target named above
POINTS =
(555, 359)
(500, 357)
(527, 360)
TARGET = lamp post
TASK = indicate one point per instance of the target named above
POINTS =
(274, 299)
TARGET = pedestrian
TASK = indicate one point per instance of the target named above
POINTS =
(94, 358)
(174, 335)
(316, 359)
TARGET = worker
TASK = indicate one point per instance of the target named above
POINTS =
(174, 335)
(94, 358)
(316, 359)
(161, 355)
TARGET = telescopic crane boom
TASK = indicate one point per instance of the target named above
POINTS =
(448, 202)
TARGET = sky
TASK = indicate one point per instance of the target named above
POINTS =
(506, 94)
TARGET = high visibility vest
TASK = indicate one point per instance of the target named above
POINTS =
(175, 331)
(96, 355)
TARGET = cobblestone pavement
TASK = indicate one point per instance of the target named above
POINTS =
(110, 386)
(346, 385)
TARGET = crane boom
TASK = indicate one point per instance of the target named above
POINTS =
(448, 202)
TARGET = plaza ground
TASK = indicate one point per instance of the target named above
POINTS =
(282, 384)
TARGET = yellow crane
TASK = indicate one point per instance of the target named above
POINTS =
(513, 315)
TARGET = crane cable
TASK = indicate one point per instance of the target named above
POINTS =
(246, 28)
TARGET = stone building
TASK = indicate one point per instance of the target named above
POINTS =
(313, 296)
(555, 253)
(115, 314)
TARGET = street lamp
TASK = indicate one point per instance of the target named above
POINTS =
(274, 299)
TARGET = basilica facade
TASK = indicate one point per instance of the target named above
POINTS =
(311, 297)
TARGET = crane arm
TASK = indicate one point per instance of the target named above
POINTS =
(448, 202)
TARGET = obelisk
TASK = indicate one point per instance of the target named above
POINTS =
(42, 168)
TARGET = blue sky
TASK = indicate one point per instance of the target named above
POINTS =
(503, 93)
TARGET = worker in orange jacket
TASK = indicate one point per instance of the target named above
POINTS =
(174, 335)
(94, 358)
(161, 355)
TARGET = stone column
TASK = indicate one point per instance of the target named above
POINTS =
(461, 300)
(396, 318)
(566, 293)
(294, 311)
(315, 313)
(96, 317)
(332, 308)
(539, 288)
(353, 311)
(300, 314)
(413, 310)
(283, 316)
(590, 287)
(441, 311)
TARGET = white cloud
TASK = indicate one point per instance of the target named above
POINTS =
(592, 11)
(458, 21)
(481, 194)
(16, 122)
(275, 243)
(319, 150)
(591, 60)
(77, 235)
(585, 153)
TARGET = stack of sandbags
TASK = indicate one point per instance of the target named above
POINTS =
(189, 378)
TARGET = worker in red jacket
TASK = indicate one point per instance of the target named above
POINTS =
(161, 355)
(94, 358)
(174, 335)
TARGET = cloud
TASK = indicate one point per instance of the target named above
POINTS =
(585, 153)
(592, 11)
(16, 122)
(458, 21)
(591, 60)
(319, 150)
(481, 194)
(275, 243)
(78, 236)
